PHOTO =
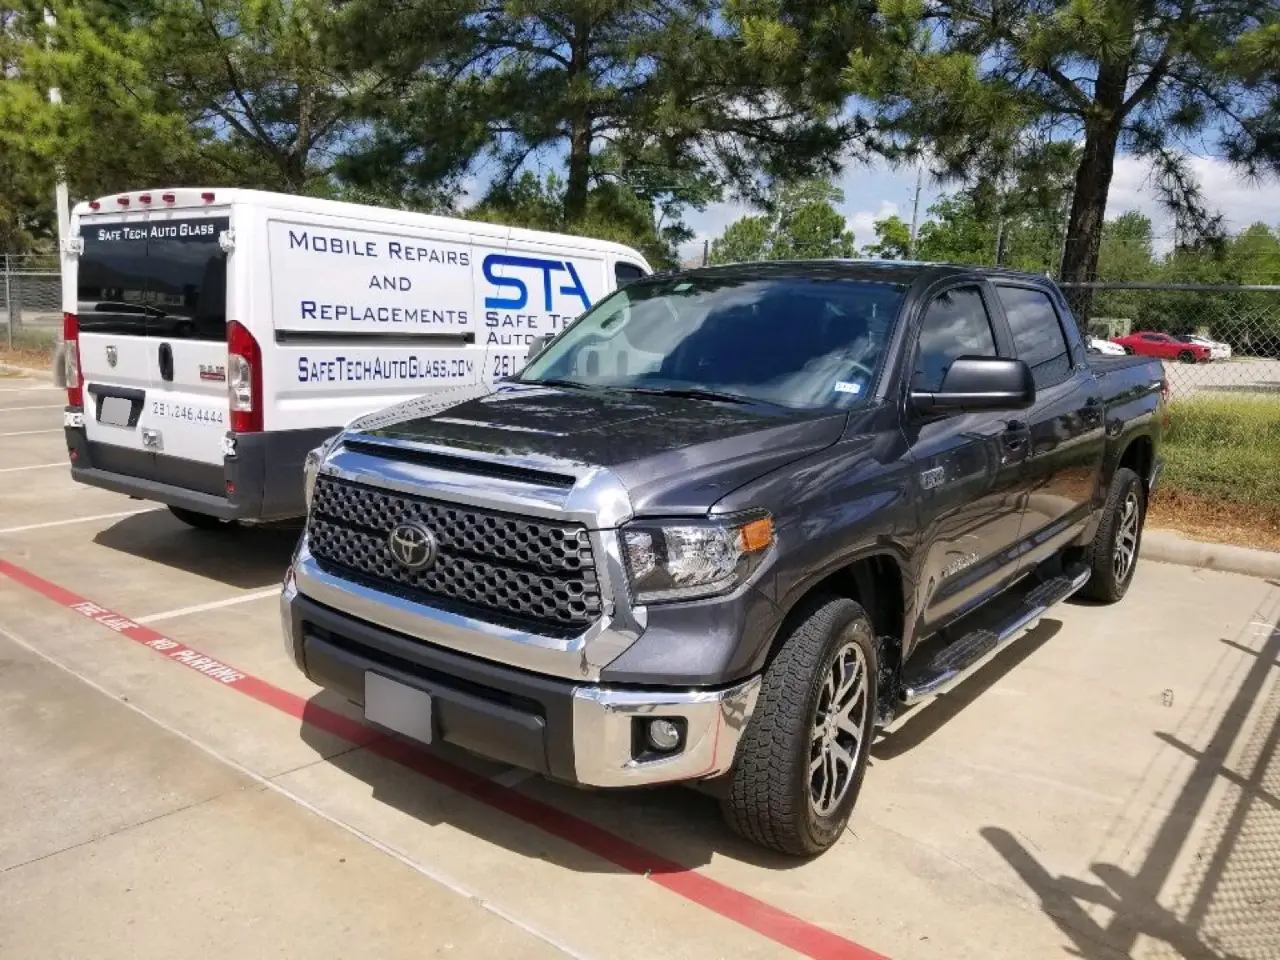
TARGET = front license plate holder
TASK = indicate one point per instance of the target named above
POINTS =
(398, 707)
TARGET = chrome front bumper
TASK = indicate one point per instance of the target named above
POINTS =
(604, 734)
(597, 729)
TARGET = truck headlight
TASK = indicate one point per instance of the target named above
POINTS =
(681, 561)
(311, 466)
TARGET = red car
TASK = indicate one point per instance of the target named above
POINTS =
(1147, 344)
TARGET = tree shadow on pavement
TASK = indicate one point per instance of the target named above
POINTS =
(1132, 899)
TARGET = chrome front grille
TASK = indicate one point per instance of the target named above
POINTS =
(495, 566)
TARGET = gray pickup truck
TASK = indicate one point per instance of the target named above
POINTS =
(725, 526)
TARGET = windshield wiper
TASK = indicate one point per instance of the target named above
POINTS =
(695, 393)
(557, 382)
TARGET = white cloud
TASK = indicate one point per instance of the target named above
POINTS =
(863, 223)
(1240, 202)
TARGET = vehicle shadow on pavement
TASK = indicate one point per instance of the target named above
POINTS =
(1225, 900)
(927, 719)
(241, 557)
(679, 827)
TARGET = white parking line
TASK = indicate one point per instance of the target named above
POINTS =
(34, 466)
(214, 605)
(63, 523)
(28, 433)
(42, 406)
(430, 872)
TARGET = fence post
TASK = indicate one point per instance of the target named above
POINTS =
(8, 303)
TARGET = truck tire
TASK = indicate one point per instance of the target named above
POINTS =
(201, 521)
(800, 764)
(1113, 555)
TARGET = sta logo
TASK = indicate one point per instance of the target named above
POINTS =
(518, 295)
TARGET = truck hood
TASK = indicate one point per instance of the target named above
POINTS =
(675, 455)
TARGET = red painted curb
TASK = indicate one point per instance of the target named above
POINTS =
(767, 920)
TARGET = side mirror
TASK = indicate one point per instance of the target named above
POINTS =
(979, 383)
(537, 345)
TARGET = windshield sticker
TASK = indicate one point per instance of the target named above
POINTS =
(844, 386)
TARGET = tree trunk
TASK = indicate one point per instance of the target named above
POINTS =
(575, 194)
(580, 123)
(1093, 183)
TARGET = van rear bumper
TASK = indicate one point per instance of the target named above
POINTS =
(263, 481)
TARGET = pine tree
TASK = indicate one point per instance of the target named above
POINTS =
(989, 85)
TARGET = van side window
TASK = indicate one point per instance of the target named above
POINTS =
(625, 273)
(955, 325)
(1037, 334)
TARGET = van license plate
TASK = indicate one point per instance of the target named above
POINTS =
(397, 707)
(115, 411)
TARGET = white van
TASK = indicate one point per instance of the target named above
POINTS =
(213, 337)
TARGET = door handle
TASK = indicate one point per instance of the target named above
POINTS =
(166, 362)
(1016, 439)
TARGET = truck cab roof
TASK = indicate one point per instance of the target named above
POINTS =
(902, 272)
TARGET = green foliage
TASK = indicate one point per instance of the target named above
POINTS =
(746, 240)
(612, 213)
(893, 240)
(118, 124)
(801, 223)
(265, 81)
(1224, 448)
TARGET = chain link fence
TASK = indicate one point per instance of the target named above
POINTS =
(30, 299)
(1212, 338)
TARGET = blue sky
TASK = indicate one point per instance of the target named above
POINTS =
(875, 191)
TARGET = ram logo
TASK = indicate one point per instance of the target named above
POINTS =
(518, 297)
(213, 371)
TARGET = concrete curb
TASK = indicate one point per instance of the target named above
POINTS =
(1169, 546)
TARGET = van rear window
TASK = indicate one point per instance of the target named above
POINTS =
(165, 279)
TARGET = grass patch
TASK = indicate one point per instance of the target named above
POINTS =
(32, 347)
(1222, 470)
(1224, 448)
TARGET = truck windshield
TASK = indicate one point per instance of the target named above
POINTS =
(802, 342)
(154, 278)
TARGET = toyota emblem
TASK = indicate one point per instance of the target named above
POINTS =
(112, 356)
(412, 545)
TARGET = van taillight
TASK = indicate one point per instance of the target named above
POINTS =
(244, 379)
(71, 360)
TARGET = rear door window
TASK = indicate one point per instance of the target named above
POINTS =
(624, 273)
(154, 279)
(1037, 334)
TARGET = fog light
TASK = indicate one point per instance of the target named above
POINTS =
(663, 735)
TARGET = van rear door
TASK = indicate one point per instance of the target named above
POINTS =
(153, 347)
